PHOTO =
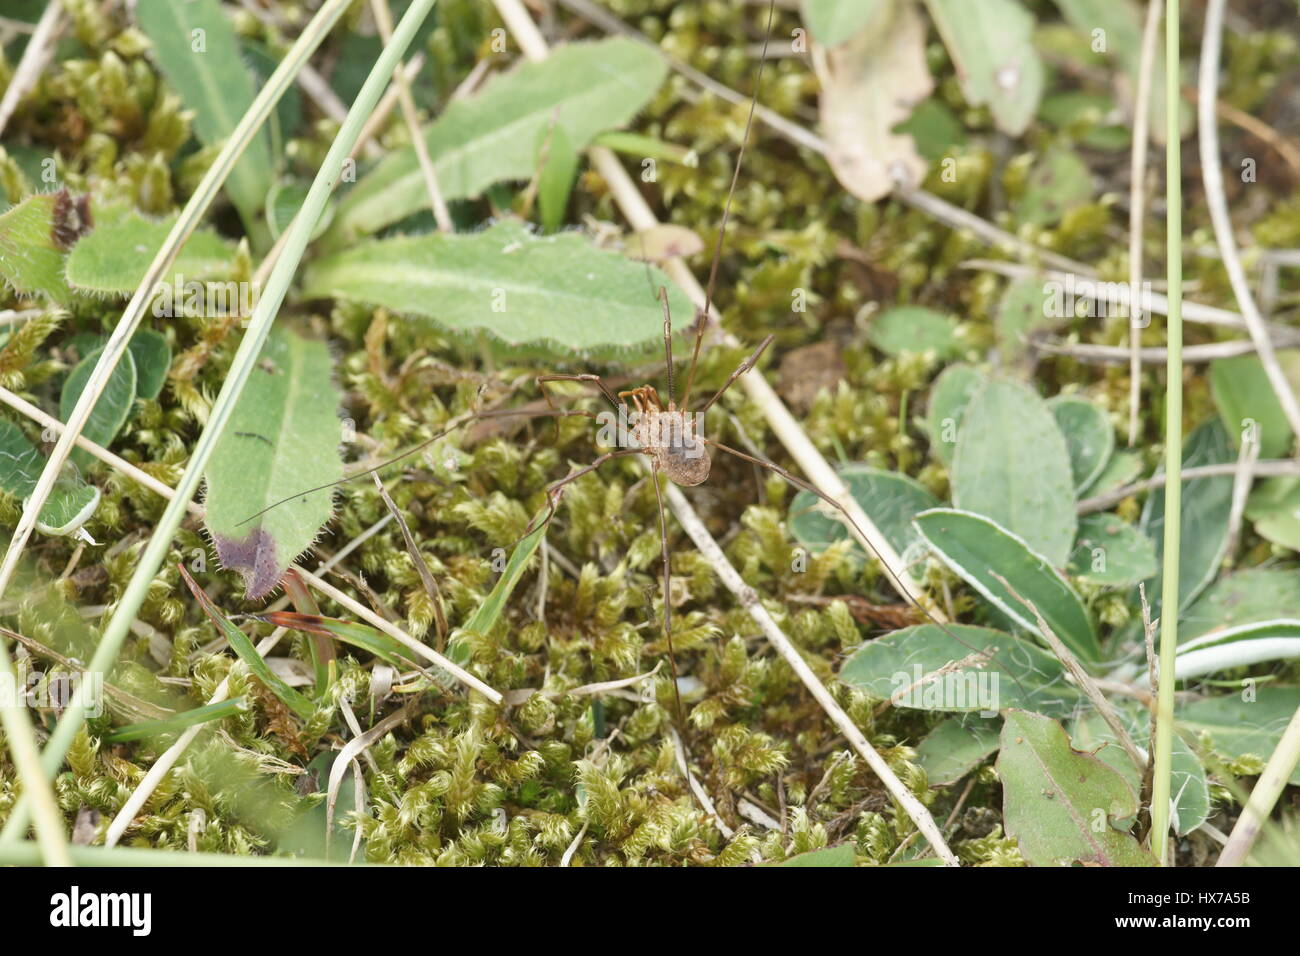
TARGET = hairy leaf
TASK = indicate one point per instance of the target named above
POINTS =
(72, 502)
(1244, 725)
(115, 255)
(112, 408)
(889, 498)
(956, 747)
(282, 438)
(1088, 437)
(1207, 503)
(491, 137)
(914, 328)
(950, 396)
(1112, 552)
(31, 254)
(524, 290)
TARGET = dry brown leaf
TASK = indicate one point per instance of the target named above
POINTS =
(869, 85)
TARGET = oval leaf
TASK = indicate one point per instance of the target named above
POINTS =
(1112, 552)
(890, 500)
(283, 436)
(1088, 437)
(914, 328)
(1012, 465)
(950, 396)
(991, 43)
(1062, 806)
(976, 548)
(913, 667)
(111, 409)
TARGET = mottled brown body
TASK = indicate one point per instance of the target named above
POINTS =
(670, 436)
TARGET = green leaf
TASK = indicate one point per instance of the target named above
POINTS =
(934, 128)
(487, 613)
(831, 22)
(1017, 674)
(1023, 309)
(1121, 23)
(114, 257)
(1244, 395)
(1059, 181)
(891, 500)
(950, 396)
(153, 359)
(1060, 805)
(112, 408)
(976, 548)
(282, 204)
(1111, 552)
(1012, 465)
(956, 747)
(1088, 437)
(1244, 725)
(1274, 507)
(523, 290)
(1246, 597)
(991, 44)
(1122, 468)
(282, 437)
(363, 636)
(555, 181)
(834, 856)
(31, 257)
(196, 48)
(1188, 786)
(244, 648)
(914, 328)
(71, 503)
(1207, 503)
(170, 725)
(489, 138)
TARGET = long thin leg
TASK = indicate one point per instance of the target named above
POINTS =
(556, 488)
(773, 466)
(457, 422)
(668, 342)
(703, 318)
(668, 591)
(584, 377)
(741, 369)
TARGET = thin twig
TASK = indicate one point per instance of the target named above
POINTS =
(1269, 786)
(1117, 354)
(1271, 468)
(1215, 199)
(701, 795)
(1082, 678)
(1242, 480)
(384, 20)
(38, 52)
(1137, 206)
(421, 566)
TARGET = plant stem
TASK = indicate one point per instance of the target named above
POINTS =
(1161, 786)
(299, 234)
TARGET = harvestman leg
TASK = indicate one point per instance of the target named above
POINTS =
(741, 369)
(553, 490)
(799, 482)
(584, 377)
(668, 588)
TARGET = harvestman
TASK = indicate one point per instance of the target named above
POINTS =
(669, 435)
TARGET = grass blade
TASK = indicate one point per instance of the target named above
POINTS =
(267, 308)
(189, 718)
